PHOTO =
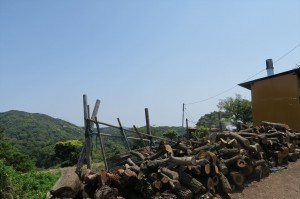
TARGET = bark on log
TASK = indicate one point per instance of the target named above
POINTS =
(202, 162)
(231, 161)
(115, 181)
(292, 157)
(106, 192)
(222, 167)
(163, 149)
(247, 170)
(171, 174)
(129, 178)
(226, 187)
(182, 160)
(236, 136)
(157, 184)
(67, 185)
(138, 155)
(257, 173)
(183, 192)
(278, 126)
(228, 153)
(237, 178)
(190, 182)
(211, 157)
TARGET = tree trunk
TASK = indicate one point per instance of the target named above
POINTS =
(237, 178)
(190, 182)
(225, 184)
(67, 185)
(106, 192)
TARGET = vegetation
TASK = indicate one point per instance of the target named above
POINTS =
(68, 151)
(36, 134)
(33, 185)
(171, 134)
(212, 120)
(12, 157)
(238, 108)
(232, 110)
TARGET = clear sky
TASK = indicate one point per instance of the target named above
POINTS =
(134, 54)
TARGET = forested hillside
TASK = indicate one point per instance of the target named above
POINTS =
(35, 134)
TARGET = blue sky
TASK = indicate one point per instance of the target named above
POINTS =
(139, 54)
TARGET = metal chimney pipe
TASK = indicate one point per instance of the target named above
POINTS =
(270, 68)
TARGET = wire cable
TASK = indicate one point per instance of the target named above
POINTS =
(229, 89)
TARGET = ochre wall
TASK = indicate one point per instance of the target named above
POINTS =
(277, 100)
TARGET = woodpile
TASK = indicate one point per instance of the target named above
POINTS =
(191, 169)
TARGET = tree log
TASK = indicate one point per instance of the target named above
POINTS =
(225, 184)
(171, 174)
(278, 126)
(67, 185)
(228, 153)
(222, 167)
(292, 157)
(163, 149)
(157, 184)
(183, 192)
(187, 160)
(236, 136)
(241, 163)
(190, 182)
(247, 170)
(257, 173)
(138, 155)
(106, 192)
(237, 178)
(231, 161)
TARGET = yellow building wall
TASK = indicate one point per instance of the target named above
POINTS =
(277, 100)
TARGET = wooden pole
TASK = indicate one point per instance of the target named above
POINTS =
(187, 129)
(220, 123)
(132, 131)
(123, 135)
(87, 132)
(95, 112)
(140, 135)
(101, 144)
(148, 126)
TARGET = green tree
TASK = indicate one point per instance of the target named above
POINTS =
(68, 151)
(211, 120)
(170, 133)
(238, 108)
(12, 157)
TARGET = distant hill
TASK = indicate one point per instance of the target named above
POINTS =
(35, 134)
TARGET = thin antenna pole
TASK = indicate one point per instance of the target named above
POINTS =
(182, 129)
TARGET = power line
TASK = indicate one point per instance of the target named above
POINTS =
(189, 116)
(286, 54)
(227, 90)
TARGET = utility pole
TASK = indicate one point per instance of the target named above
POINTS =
(182, 127)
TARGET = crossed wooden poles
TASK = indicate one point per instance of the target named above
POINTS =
(89, 122)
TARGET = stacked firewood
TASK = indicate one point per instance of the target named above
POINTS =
(192, 169)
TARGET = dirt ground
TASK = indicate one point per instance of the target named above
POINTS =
(284, 184)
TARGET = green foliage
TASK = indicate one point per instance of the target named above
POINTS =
(238, 108)
(171, 134)
(210, 120)
(200, 133)
(68, 151)
(18, 185)
(36, 134)
(12, 157)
